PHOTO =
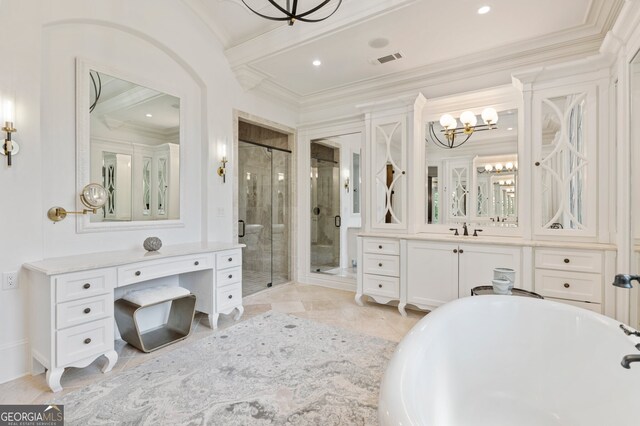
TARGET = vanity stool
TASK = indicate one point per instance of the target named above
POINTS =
(178, 326)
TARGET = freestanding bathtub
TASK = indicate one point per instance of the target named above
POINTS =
(499, 360)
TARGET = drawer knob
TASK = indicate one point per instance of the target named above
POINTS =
(138, 273)
(87, 310)
(380, 247)
(196, 263)
(231, 296)
(461, 251)
(380, 265)
(567, 261)
(230, 259)
(380, 285)
(455, 250)
(537, 164)
(230, 276)
(86, 286)
(87, 341)
(567, 285)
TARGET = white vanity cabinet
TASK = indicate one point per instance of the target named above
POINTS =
(576, 277)
(72, 298)
(379, 275)
(438, 273)
(428, 274)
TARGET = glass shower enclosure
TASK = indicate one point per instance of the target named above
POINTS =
(264, 215)
(325, 208)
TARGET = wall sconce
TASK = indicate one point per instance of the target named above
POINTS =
(346, 180)
(222, 170)
(9, 147)
(93, 196)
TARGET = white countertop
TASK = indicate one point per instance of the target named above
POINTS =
(504, 241)
(83, 262)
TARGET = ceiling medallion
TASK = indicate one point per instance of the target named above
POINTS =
(291, 14)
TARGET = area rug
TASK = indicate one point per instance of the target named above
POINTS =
(273, 369)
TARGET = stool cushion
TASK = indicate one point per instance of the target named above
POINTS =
(153, 295)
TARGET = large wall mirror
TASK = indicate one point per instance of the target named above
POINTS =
(135, 155)
(129, 139)
(476, 182)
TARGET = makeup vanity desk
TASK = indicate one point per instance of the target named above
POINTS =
(71, 298)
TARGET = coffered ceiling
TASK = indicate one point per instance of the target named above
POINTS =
(432, 36)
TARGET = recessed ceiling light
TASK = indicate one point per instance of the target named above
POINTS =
(317, 63)
(510, 128)
(483, 10)
(149, 115)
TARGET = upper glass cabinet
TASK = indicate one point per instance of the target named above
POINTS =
(564, 155)
(388, 159)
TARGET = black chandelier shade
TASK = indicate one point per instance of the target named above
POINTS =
(290, 13)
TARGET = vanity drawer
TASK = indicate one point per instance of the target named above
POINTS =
(382, 246)
(83, 310)
(83, 341)
(143, 271)
(381, 286)
(229, 297)
(79, 285)
(570, 260)
(577, 286)
(382, 265)
(228, 276)
(229, 259)
(595, 307)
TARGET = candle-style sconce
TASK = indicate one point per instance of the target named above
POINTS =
(346, 180)
(9, 147)
(222, 170)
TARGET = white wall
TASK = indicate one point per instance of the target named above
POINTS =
(161, 40)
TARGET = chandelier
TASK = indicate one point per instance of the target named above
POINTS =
(469, 126)
(290, 13)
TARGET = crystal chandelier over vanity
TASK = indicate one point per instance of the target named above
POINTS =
(470, 125)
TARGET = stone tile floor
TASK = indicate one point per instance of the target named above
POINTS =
(325, 305)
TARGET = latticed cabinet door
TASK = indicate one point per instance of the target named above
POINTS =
(388, 172)
(565, 162)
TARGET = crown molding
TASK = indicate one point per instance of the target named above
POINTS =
(438, 74)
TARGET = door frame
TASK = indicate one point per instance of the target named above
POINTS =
(292, 135)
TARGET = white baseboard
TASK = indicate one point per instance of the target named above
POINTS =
(329, 281)
(15, 357)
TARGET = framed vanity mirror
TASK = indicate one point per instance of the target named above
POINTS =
(129, 139)
(475, 182)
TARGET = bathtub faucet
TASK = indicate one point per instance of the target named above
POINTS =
(628, 359)
(624, 280)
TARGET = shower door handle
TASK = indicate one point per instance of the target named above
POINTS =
(241, 222)
(337, 221)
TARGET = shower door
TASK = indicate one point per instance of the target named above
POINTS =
(263, 212)
(325, 208)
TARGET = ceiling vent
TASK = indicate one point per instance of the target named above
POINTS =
(387, 58)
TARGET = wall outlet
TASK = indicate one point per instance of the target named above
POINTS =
(9, 280)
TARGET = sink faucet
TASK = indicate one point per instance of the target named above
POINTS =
(465, 230)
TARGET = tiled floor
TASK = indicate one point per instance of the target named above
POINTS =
(255, 281)
(334, 307)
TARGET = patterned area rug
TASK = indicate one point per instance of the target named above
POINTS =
(271, 369)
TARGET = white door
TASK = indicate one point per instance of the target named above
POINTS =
(432, 278)
(477, 263)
